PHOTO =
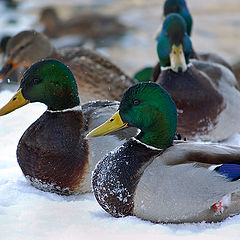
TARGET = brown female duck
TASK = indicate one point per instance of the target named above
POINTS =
(96, 76)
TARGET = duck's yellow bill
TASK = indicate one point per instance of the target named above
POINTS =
(177, 59)
(16, 101)
(112, 124)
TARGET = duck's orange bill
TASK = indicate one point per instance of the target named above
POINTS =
(16, 102)
(7, 68)
(112, 124)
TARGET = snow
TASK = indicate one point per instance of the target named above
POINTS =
(28, 213)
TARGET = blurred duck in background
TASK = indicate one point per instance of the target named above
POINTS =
(180, 7)
(13, 77)
(96, 76)
(206, 93)
(98, 28)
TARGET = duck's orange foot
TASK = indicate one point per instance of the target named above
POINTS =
(219, 206)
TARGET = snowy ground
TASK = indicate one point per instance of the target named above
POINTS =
(27, 213)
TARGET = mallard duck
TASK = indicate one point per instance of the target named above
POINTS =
(180, 7)
(205, 93)
(92, 26)
(53, 152)
(96, 76)
(155, 178)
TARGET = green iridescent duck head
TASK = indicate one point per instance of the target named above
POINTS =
(49, 82)
(180, 7)
(174, 45)
(148, 107)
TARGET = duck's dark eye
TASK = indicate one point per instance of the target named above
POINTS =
(136, 102)
(37, 80)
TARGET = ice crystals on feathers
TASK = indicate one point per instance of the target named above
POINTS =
(110, 188)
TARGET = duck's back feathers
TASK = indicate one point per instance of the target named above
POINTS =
(225, 82)
(213, 58)
(216, 72)
(190, 152)
(75, 53)
(96, 76)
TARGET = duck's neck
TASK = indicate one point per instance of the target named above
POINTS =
(160, 141)
(158, 136)
(63, 104)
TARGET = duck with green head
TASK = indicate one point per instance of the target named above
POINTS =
(96, 77)
(206, 94)
(170, 6)
(156, 178)
(53, 152)
(180, 7)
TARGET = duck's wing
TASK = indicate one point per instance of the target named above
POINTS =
(231, 171)
(96, 77)
(201, 153)
(213, 58)
(181, 193)
(173, 189)
(83, 53)
(216, 72)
